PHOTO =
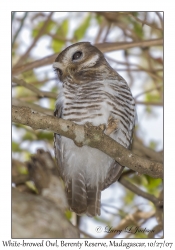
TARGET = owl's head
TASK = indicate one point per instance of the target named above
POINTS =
(80, 62)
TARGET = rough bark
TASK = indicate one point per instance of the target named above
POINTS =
(36, 217)
(90, 136)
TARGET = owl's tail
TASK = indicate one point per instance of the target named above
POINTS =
(83, 198)
(93, 200)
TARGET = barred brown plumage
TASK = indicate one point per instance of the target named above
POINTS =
(90, 92)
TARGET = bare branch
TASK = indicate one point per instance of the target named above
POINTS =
(149, 90)
(150, 103)
(145, 22)
(20, 27)
(108, 47)
(160, 18)
(104, 47)
(40, 33)
(139, 192)
(33, 65)
(90, 136)
(139, 149)
(39, 92)
(130, 219)
(33, 106)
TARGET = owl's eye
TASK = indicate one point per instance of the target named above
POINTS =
(76, 55)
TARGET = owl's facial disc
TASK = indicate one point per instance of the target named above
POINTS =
(78, 62)
(57, 67)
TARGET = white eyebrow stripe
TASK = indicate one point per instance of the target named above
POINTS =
(57, 65)
(91, 62)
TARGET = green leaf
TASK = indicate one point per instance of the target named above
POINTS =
(63, 28)
(129, 197)
(152, 97)
(29, 136)
(80, 32)
(62, 31)
(49, 27)
(68, 214)
(153, 145)
(153, 185)
(99, 19)
(16, 147)
(138, 29)
(57, 45)
(31, 185)
(141, 236)
(23, 170)
(41, 135)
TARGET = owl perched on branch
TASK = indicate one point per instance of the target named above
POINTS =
(90, 92)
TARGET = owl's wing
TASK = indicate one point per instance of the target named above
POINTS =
(113, 175)
(116, 169)
(57, 141)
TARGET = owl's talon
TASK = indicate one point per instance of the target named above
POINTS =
(102, 127)
(111, 126)
(88, 124)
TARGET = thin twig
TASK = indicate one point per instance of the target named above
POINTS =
(104, 47)
(130, 219)
(102, 26)
(139, 192)
(149, 103)
(60, 38)
(160, 18)
(20, 27)
(139, 149)
(40, 33)
(145, 22)
(157, 229)
(33, 106)
(149, 90)
(43, 81)
(139, 70)
(107, 32)
(40, 93)
(108, 47)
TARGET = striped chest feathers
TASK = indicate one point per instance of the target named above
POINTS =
(96, 102)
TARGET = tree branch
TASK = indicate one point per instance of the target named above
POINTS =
(90, 136)
(104, 47)
(139, 192)
(130, 219)
(40, 33)
(145, 22)
(38, 92)
(33, 106)
(150, 103)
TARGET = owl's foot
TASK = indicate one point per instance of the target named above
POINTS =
(100, 127)
(88, 125)
(111, 126)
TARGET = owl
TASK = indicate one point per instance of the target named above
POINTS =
(90, 92)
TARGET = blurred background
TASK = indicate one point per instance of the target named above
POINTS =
(133, 45)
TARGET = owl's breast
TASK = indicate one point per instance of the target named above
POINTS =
(97, 103)
(83, 104)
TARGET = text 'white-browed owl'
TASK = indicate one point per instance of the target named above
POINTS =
(90, 91)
